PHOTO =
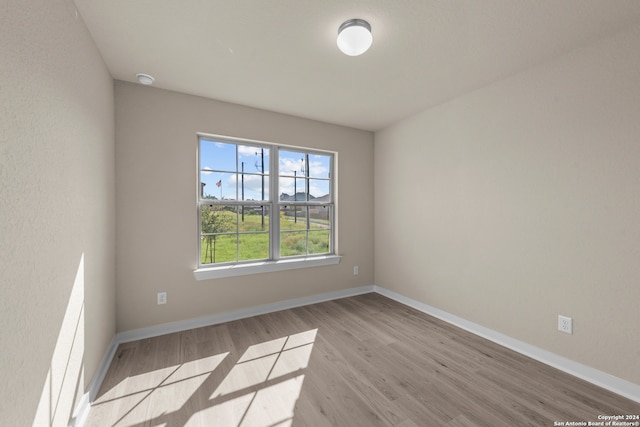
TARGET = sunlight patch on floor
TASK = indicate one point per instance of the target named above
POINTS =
(260, 389)
(152, 394)
(275, 367)
(269, 406)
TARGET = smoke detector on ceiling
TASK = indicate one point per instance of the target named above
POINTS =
(145, 79)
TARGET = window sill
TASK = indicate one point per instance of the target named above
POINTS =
(264, 267)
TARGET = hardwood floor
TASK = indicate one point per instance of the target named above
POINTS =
(359, 361)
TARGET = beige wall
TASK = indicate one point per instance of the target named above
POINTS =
(506, 207)
(521, 201)
(156, 206)
(57, 299)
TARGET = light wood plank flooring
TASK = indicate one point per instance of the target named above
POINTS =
(359, 361)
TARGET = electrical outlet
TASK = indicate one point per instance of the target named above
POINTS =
(356, 270)
(565, 324)
(162, 297)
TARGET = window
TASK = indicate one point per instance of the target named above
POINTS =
(259, 202)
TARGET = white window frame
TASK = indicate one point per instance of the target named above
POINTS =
(276, 263)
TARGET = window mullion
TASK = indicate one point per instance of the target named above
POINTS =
(237, 230)
(274, 196)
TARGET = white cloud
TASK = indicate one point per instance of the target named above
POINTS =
(245, 150)
(288, 166)
(252, 186)
(318, 169)
(249, 151)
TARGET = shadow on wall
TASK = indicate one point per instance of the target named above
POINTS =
(64, 384)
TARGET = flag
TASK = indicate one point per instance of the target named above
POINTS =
(219, 184)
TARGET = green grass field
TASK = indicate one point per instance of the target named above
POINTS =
(295, 239)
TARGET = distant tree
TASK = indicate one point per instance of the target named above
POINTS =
(213, 220)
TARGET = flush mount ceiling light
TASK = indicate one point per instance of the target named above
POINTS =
(354, 37)
(145, 79)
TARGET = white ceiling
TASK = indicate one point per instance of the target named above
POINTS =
(281, 55)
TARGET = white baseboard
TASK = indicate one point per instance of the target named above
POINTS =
(185, 325)
(84, 405)
(81, 411)
(594, 376)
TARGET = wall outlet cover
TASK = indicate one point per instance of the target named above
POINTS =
(162, 297)
(565, 324)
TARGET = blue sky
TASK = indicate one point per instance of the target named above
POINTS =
(218, 164)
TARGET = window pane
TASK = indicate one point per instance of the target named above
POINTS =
(291, 163)
(319, 166)
(253, 218)
(218, 228)
(254, 244)
(293, 243)
(253, 164)
(286, 185)
(224, 188)
(292, 189)
(293, 218)
(219, 156)
(218, 249)
(318, 242)
(233, 172)
(319, 218)
(255, 159)
(254, 187)
(217, 185)
(319, 190)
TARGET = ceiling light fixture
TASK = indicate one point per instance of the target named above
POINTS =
(145, 79)
(354, 37)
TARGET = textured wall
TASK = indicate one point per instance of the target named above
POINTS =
(156, 206)
(57, 302)
(519, 202)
